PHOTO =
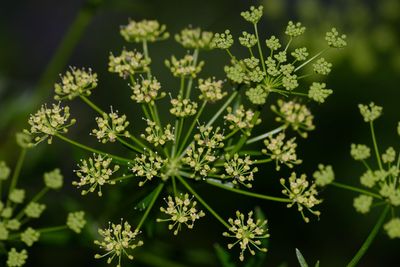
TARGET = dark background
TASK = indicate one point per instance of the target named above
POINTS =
(367, 70)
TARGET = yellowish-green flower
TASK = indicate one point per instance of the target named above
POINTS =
(222, 40)
(17, 259)
(182, 211)
(318, 92)
(30, 236)
(370, 112)
(183, 107)
(363, 203)
(95, 172)
(3, 231)
(74, 83)
(334, 39)
(195, 38)
(211, 89)
(146, 91)
(296, 115)
(294, 29)
(17, 195)
(76, 221)
(241, 119)
(48, 122)
(389, 156)
(240, 169)
(257, 95)
(321, 66)
(147, 166)
(360, 152)
(392, 228)
(23, 139)
(273, 43)
(53, 179)
(34, 209)
(200, 159)
(144, 31)
(300, 54)
(248, 39)
(248, 233)
(283, 152)
(184, 67)
(324, 175)
(301, 193)
(4, 171)
(117, 240)
(156, 135)
(253, 15)
(128, 63)
(111, 126)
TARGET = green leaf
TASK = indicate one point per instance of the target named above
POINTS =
(301, 259)
(142, 205)
(223, 256)
(317, 264)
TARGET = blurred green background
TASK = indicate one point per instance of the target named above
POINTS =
(367, 70)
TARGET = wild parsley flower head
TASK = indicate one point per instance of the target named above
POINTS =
(222, 40)
(392, 228)
(17, 195)
(248, 39)
(146, 91)
(144, 31)
(239, 169)
(281, 150)
(241, 119)
(360, 152)
(17, 259)
(335, 39)
(147, 166)
(157, 136)
(4, 171)
(76, 221)
(370, 112)
(294, 29)
(362, 203)
(184, 67)
(257, 95)
(183, 107)
(195, 38)
(53, 179)
(324, 175)
(47, 122)
(128, 63)
(30, 236)
(253, 15)
(74, 83)
(95, 172)
(182, 210)
(318, 92)
(118, 240)
(110, 126)
(273, 43)
(321, 66)
(248, 232)
(34, 209)
(302, 193)
(211, 89)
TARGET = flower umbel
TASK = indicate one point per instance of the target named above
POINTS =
(182, 210)
(118, 240)
(248, 233)
(74, 83)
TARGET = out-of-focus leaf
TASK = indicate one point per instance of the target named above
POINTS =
(317, 264)
(301, 259)
(223, 256)
(142, 205)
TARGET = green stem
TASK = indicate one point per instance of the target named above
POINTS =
(356, 189)
(129, 146)
(190, 82)
(191, 190)
(189, 132)
(265, 135)
(93, 105)
(146, 113)
(38, 196)
(259, 48)
(247, 193)
(122, 178)
(72, 142)
(378, 158)
(151, 204)
(224, 106)
(370, 238)
(262, 161)
(52, 229)
(17, 171)
(146, 55)
(174, 185)
(310, 59)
